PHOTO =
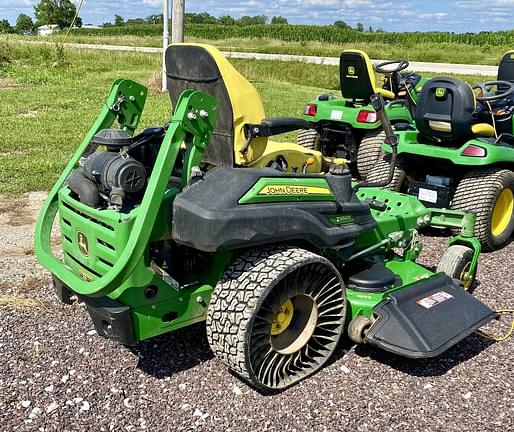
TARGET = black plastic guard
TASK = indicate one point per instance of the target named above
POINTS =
(427, 318)
(111, 319)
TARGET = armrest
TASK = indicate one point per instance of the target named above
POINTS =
(275, 126)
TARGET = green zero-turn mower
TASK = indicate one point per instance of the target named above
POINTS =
(279, 264)
(349, 126)
(460, 155)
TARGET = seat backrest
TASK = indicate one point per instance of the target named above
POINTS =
(506, 67)
(203, 67)
(445, 109)
(357, 75)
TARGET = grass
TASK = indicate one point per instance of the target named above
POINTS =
(50, 100)
(426, 51)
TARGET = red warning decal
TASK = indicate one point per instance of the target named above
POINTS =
(434, 299)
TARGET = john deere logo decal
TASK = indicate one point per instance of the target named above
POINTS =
(294, 190)
(440, 92)
(351, 70)
(82, 243)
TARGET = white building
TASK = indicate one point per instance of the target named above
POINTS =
(91, 26)
(46, 30)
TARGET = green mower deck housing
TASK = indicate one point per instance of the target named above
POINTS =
(159, 258)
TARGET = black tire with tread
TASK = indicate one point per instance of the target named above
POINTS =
(239, 295)
(454, 261)
(380, 173)
(477, 192)
(369, 152)
(309, 138)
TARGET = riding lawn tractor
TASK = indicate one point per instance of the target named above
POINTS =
(175, 225)
(349, 127)
(460, 154)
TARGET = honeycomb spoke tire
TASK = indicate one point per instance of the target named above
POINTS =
(489, 193)
(369, 153)
(276, 316)
(380, 173)
(309, 138)
(455, 262)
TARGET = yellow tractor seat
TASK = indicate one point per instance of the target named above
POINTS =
(240, 137)
(358, 80)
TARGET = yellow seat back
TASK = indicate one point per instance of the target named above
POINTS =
(203, 67)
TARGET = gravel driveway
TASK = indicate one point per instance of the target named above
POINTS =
(56, 374)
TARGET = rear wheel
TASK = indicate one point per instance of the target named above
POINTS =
(380, 173)
(489, 193)
(456, 262)
(370, 150)
(276, 315)
(309, 138)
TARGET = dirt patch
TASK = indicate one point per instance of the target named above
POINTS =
(6, 83)
(32, 284)
(17, 218)
(16, 212)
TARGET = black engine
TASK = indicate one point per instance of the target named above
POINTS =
(116, 178)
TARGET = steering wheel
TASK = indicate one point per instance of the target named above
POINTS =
(484, 88)
(400, 65)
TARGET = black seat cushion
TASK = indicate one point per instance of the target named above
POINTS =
(192, 67)
(506, 68)
(355, 78)
(449, 101)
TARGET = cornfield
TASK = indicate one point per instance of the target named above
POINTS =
(304, 33)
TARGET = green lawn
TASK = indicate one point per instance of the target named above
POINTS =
(48, 102)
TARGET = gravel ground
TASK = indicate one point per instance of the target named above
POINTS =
(56, 374)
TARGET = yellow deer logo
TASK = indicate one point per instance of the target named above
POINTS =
(82, 243)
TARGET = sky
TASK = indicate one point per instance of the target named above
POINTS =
(398, 15)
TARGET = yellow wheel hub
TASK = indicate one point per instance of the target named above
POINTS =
(502, 212)
(466, 282)
(282, 318)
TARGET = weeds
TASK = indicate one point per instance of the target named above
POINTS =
(5, 57)
(59, 55)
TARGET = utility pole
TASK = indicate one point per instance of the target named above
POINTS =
(177, 23)
(165, 42)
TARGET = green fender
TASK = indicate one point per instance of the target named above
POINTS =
(495, 153)
(340, 110)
